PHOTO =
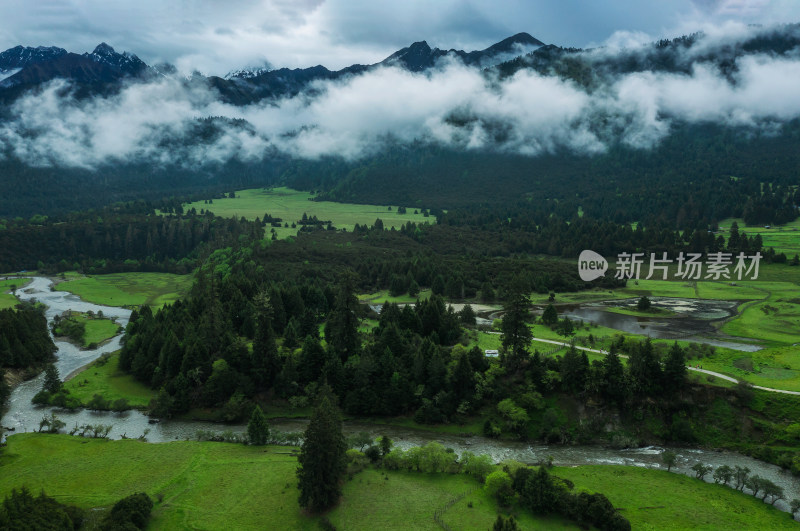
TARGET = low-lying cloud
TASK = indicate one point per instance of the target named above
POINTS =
(454, 105)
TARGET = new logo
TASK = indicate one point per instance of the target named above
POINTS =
(591, 266)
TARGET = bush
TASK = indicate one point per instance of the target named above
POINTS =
(97, 402)
(120, 404)
(498, 484)
(373, 453)
(133, 510)
(478, 466)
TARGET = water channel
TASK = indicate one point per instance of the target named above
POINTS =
(22, 416)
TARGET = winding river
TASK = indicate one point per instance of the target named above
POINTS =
(23, 416)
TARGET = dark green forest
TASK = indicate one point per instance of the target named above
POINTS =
(24, 338)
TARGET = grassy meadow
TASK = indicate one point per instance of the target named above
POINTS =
(290, 205)
(656, 499)
(378, 499)
(383, 297)
(129, 289)
(104, 377)
(204, 485)
(784, 238)
(7, 300)
(97, 330)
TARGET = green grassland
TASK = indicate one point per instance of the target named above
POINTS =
(290, 205)
(776, 320)
(383, 297)
(204, 485)
(660, 288)
(130, 289)
(656, 499)
(783, 238)
(407, 500)
(578, 297)
(7, 300)
(652, 312)
(103, 377)
(777, 368)
(97, 330)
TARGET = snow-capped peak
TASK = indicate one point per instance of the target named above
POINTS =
(249, 72)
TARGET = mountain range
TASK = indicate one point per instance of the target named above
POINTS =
(541, 121)
(103, 70)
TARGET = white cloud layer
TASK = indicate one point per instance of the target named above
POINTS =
(453, 105)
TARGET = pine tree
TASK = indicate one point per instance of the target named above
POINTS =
(52, 380)
(258, 428)
(675, 369)
(574, 368)
(613, 386)
(265, 362)
(322, 458)
(644, 369)
(341, 330)
(566, 328)
(516, 334)
(550, 315)
(505, 524)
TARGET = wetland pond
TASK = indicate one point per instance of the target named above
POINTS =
(689, 319)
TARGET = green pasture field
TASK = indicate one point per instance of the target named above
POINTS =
(130, 289)
(653, 312)
(290, 205)
(661, 288)
(97, 330)
(776, 320)
(383, 297)
(777, 368)
(7, 300)
(656, 499)
(580, 296)
(206, 485)
(103, 377)
(407, 500)
(782, 238)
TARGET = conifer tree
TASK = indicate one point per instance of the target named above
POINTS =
(675, 369)
(265, 362)
(550, 315)
(516, 334)
(258, 428)
(322, 457)
(341, 330)
(52, 380)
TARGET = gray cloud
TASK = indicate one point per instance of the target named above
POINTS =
(216, 37)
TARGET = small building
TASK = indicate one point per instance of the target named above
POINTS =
(492, 353)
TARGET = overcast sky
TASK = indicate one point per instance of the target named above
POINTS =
(218, 36)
